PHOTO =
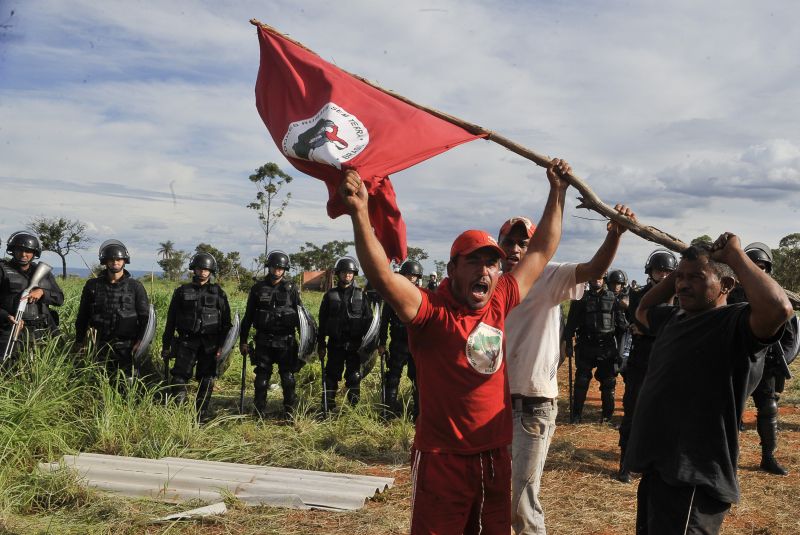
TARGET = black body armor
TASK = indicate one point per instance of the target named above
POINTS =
(276, 311)
(198, 311)
(113, 309)
(14, 283)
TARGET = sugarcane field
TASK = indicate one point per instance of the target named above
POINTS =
(378, 268)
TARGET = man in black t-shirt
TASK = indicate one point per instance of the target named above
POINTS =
(706, 360)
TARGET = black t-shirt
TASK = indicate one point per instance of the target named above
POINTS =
(702, 369)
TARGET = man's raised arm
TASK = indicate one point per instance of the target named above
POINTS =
(403, 296)
(544, 242)
(769, 306)
(596, 267)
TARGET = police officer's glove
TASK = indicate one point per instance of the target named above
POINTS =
(165, 353)
(243, 349)
(321, 351)
(381, 350)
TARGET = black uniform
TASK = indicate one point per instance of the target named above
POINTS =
(594, 318)
(344, 317)
(119, 312)
(39, 319)
(202, 316)
(767, 393)
(685, 436)
(433, 284)
(272, 310)
(399, 356)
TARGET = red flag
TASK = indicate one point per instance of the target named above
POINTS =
(325, 120)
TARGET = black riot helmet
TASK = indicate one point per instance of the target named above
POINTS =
(204, 261)
(411, 267)
(617, 277)
(661, 259)
(24, 240)
(278, 259)
(759, 252)
(113, 249)
(346, 264)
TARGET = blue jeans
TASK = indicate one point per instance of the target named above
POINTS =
(534, 426)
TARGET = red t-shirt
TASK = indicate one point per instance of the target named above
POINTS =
(464, 397)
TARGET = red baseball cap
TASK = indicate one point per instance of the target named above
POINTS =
(472, 240)
(530, 227)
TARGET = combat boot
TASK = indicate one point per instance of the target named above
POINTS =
(179, 390)
(260, 395)
(768, 432)
(623, 475)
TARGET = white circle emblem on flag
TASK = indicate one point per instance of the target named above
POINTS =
(332, 136)
(485, 348)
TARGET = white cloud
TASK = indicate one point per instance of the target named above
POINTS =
(140, 117)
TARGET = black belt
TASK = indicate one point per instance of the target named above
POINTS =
(528, 403)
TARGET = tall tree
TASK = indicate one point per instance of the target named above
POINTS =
(413, 253)
(60, 236)
(269, 180)
(786, 262)
(166, 249)
(704, 239)
(228, 264)
(441, 268)
(173, 264)
(313, 258)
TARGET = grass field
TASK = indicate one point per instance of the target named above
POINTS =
(59, 404)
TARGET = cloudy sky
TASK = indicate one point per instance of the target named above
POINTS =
(139, 117)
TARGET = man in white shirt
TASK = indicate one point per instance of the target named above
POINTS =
(533, 349)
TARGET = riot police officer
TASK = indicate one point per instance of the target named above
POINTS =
(272, 310)
(433, 281)
(658, 266)
(116, 306)
(200, 312)
(15, 276)
(594, 319)
(399, 354)
(617, 282)
(767, 393)
(344, 317)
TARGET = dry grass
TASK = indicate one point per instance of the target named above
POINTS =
(578, 492)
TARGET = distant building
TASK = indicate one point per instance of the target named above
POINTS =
(317, 280)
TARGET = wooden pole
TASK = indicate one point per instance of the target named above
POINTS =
(588, 199)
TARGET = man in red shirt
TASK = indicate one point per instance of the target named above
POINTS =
(461, 469)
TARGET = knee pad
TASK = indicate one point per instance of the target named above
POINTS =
(608, 383)
(353, 379)
(767, 407)
(262, 378)
(287, 380)
(582, 380)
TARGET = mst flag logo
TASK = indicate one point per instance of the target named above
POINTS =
(332, 136)
(485, 348)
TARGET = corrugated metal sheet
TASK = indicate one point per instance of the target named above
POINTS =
(175, 480)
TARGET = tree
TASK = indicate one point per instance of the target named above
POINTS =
(269, 180)
(413, 253)
(704, 239)
(228, 264)
(173, 264)
(60, 236)
(166, 249)
(314, 258)
(441, 267)
(786, 262)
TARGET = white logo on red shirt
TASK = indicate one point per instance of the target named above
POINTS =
(332, 136)
(485, 348)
